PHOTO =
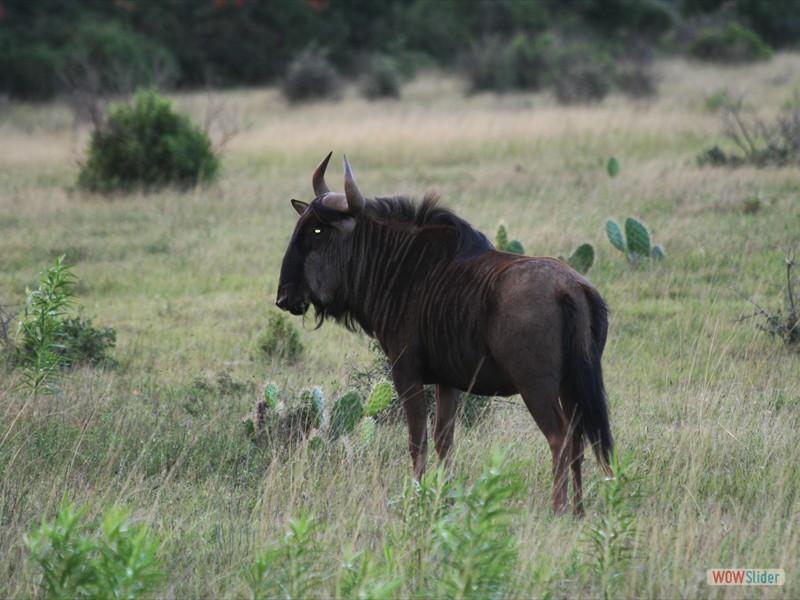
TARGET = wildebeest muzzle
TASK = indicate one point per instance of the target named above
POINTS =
(289, 298)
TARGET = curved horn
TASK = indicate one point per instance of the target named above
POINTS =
(318, 178)
(355, 200)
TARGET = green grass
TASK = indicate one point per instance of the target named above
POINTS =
(708, 406)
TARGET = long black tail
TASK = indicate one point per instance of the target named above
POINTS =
(583, 375)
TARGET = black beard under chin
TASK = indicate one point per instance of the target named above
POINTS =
(337, 310)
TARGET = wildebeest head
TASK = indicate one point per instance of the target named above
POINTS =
(314, 264)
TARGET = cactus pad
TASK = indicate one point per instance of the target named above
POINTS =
(271, 395)
(638, 239)
(615, 235)
(379, 399)
(582, 259)
(346, 414)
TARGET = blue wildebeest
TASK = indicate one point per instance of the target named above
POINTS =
(449, 310)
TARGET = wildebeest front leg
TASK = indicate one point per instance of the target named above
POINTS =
(412, 397)
(444, 428)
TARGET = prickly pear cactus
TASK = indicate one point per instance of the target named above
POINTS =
(515, 246)
(612, 168)
(501, 239)
(368, 428)
(582, 259)
(346, 414)
(271, 395)
(313, 400)
(379, 400)
(504, 245)
(638, 239)
(316, 445)
(615, 235)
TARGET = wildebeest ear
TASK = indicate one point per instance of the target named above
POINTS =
(299, 206)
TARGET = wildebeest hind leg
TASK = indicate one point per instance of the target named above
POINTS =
(445, 422)
(541, 398)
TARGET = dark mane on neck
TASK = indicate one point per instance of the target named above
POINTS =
(398, 232)
(402, 210)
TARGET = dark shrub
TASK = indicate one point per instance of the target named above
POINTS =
(776, 21)
(381, 78)
(735, 44)
(310, 76)
(281, 338)
(119, 58)
(531, 60)
(635, 81)
(84, 344)
(147, 146)
(498, 64)
(490, 65)
(29, 71)
(582, 73)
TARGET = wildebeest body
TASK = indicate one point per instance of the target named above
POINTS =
(450, 310)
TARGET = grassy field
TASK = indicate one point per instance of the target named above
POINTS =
(708, 405)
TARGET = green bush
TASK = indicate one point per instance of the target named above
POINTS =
(310, 76)
(735, 44)
(147, 146)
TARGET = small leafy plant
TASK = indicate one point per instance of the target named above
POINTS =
(78, 560)
(611, 535)
(475, 542)
(40, 335)
(290, 569)
(635, 242)
(446, 540)
(47, 340)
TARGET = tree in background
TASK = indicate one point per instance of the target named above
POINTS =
(249, 42)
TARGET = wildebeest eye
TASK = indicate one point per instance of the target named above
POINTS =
(317, 230)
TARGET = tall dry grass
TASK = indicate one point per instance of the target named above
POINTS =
(708, 406)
